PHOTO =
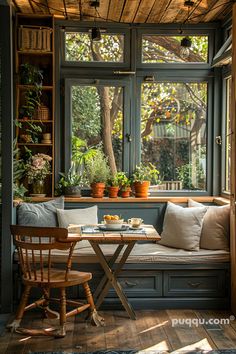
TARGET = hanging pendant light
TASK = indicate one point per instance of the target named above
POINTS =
(96, 34)
(185, 45)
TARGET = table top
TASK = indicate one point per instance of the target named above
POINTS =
(76, 233)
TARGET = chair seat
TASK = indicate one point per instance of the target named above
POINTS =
(57, 278)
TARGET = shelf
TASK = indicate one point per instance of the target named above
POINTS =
(25, 87)
(34, 120)
(33, 144)
(33, 52)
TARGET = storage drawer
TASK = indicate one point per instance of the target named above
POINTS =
(135, 284)
(205, 283)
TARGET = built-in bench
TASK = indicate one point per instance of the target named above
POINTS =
(156, 276)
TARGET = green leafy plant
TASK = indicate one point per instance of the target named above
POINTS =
(30, 75)
(19, 189)
(113, 181)
(146, 173)
(97, 169)
(32, 100)
(124, 181)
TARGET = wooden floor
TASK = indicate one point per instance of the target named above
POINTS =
(153, 331)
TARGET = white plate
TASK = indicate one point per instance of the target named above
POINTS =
(107, 227)
(136, 228)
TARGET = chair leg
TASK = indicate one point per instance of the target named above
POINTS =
(94, 317)
(21, 308)
(47, 311)
(62, 330)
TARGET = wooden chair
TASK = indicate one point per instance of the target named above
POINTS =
(35, 247)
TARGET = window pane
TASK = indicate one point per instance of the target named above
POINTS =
(79, 47)
(173, 133)
(97, 119)
(167, 49)
(228, 135)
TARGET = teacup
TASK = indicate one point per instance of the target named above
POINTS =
(135, 222)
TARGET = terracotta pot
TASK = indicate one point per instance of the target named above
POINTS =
(113, 191)
(141, 189)
(125, 193)
(98, 190)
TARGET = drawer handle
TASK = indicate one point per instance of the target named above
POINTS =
(130, 284)
(194, 285)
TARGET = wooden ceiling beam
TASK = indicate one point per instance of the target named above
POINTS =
(56, 7)
(24, 6)
(158, 9)
(72, 9)
(214, 11)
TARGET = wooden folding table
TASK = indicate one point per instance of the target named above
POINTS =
(125, 241)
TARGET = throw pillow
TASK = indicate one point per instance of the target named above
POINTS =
(77, 216)
(40, 214)
(182, 227)
(215, 228)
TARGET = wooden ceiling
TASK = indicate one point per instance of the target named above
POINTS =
(130, 11)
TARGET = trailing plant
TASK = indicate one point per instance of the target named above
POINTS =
(19, 189)
(97, 169)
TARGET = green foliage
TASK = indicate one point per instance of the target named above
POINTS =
(81, 153)
(123, 180)
(113, 181)
(18, 173)
(32, 100)
(146, 173)
(97, 169)
(30, 75)
(184, 174)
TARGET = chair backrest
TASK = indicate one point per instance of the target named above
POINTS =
(35, 247)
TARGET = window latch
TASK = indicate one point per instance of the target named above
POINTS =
(129, 137)
(218, 140)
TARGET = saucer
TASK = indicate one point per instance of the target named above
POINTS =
(135, 228)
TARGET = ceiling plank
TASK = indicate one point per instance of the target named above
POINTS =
(103, 9)
(88, 11)
(115, 10)
(144, 10)
(216, 11)
(210, 10)
(129, 11)
(174, 9)
(157, 11)
(24, 6)
(72, 8)
(56, 7)
(39, 6)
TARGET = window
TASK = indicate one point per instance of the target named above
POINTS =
(97, 118)
(167, 49)
(173, 132)
(80, 48)
(227, 128)
(134, 95)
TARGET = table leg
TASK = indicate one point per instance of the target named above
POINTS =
(112, 277)
(104, 278)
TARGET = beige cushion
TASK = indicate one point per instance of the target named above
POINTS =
(77, 216)
(215, 228)
(182, 227)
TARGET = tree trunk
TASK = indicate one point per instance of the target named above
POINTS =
(107, 129)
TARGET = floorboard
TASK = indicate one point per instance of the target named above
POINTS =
(153, 330)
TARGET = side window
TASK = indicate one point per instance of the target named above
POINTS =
(227, 135)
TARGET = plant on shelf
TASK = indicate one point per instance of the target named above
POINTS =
(37, 168)
(19, 189)
(97, 172)
(32, 101)
(142, 177)
(113, 186)
(70, 183)
(124, 184)
(30, 75)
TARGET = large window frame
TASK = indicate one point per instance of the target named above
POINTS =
(135, 72)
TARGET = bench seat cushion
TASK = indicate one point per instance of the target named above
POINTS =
(149, 253)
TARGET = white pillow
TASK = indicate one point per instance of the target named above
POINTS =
(77, 216)
(182, 227)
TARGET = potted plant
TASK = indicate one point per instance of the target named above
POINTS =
(142, 176)
(97, 171)
(32, 101)
(70, 184)
(124, 183)
(37, 168)
(30, 75)
(113, 186)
